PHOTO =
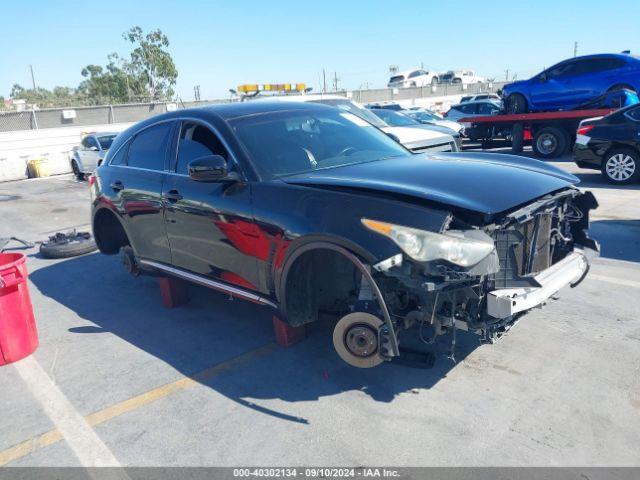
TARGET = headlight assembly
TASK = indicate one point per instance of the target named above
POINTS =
(460, 247)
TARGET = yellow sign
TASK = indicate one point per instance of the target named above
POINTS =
(272, 87)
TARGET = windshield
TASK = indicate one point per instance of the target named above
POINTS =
(288, 142)
(351, 107)
(397, 78)
(106, 141)
(395, 119)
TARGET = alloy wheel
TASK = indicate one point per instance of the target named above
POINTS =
(620, 167)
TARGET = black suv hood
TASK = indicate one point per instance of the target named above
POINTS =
(480, 182)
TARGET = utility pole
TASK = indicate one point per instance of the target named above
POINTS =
(506, 72)
(196, 92)
(324, 81)
(575, 49)
(33, 78)
(335, 81)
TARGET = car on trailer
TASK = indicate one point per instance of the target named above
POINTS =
(573, 82)
(611, 144)
(309, 210)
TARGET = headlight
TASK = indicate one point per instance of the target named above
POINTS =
(461, 247)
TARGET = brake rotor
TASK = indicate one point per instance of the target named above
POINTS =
(355, 338)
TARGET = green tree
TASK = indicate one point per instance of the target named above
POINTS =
(150, 67)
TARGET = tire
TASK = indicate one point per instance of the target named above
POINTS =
(517, 138)
(628, 163)
(76, 170)
(549, 142)
(78, 245)
(516, 103)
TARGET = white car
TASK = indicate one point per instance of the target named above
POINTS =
(461, 76)
(413, 78)
(415, 139)
(85, 157)
(480, 96)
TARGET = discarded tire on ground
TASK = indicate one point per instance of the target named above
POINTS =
(63, 245)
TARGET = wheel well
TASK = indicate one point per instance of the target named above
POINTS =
(108, 232)
(618, 146)
(319, 280)
(620, 86)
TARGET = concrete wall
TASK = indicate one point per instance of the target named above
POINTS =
(54, 144)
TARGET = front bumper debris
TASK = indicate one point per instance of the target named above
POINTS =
(506, 302)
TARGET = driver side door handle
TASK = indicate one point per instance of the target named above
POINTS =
(173, 196)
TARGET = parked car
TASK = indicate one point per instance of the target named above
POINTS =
(306, 209)
(92, 149)
(386, 105)
(416, 140)
(611, 144)
(428, 117)
(413, 78)
(461, 76)
(480, 96)
(476, 108)
(400, 119)
(573, 82)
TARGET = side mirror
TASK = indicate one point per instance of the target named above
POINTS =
(543, 77)
(93, 148)
(211, 168)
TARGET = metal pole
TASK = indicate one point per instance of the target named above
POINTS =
(33, 79)
(35, 120)
(113, 120)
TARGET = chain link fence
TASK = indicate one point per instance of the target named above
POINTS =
(80, 116)
(106, 114)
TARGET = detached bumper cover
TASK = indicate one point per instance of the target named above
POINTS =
(506, 302)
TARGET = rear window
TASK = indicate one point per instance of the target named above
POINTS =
(397, 78)
(149, 148)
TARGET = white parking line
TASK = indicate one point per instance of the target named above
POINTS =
(617, 281)
(83, 440)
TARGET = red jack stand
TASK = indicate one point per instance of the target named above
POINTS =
(285, 334)
(173, 291)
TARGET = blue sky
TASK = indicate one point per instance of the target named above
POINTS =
(219, 45)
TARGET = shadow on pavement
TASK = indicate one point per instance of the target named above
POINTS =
(618, 238)
(210, 330)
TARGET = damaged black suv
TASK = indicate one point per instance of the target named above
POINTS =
(309, 209)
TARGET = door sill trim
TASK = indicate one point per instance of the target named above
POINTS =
(210, 283)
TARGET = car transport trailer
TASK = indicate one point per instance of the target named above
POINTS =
(551, 133)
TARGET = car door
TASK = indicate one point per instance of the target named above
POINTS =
(91, 154)
(552, 88)
(209, 224)
(136, 184)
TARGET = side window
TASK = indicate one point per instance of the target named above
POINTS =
(565, 69)
(414, 74)
(197, 141)
(149, 148)
(85, 143)
(93, 143)
(634, 114)
(120, 158)
(485, 108)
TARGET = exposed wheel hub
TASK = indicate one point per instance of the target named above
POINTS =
(361, 340)
(355, 338)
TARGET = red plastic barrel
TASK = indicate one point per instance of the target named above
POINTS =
(18, 334)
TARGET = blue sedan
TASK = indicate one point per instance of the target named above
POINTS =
(573, 82)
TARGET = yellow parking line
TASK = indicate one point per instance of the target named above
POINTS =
(53, 436)
(25, 448)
